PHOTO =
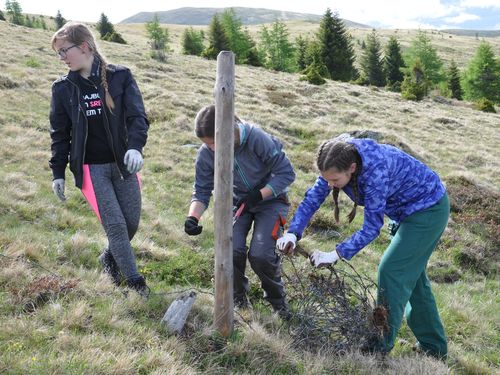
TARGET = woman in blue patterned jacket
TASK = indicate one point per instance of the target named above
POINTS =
(384, 180)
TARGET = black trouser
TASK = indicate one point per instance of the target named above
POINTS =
(261, 254)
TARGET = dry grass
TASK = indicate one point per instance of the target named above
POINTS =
(94, 328)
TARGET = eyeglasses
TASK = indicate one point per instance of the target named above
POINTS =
(62, 53)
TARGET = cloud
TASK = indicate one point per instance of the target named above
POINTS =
(461, 18)
(391, 13)
(480, 4)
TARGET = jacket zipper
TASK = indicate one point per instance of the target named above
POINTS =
(86, 120)
(242, 175)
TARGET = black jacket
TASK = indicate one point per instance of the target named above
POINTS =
(126, 126)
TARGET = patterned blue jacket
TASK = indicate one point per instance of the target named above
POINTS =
(391, 182)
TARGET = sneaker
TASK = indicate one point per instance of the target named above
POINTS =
(110, 267)
(139, 285)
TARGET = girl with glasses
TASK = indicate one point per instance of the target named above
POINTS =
(98, 124)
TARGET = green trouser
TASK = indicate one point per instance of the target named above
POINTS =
(402, 281)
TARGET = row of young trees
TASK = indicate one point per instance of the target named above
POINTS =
(15, 15)
(330, 55)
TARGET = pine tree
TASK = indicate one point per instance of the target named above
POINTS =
(43, 24)
(28, 22)
(313, 53)
(415, 84)
(278, 51)
(371, 61)
(2, 17)
(192, 42)
(158, 39)
(104, 26)
(337, 51)
(454, 81)
(15, 12)
(393, 64)
(482, 76)
(253, 55)
(422, 49)
(301, 51)
(60, 21)
(238, 42)
(217, 40)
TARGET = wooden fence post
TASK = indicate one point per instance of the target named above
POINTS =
(223, 193)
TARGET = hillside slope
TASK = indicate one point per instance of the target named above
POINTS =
(59, 315)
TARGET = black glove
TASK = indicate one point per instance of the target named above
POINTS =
(191, 226)
(250, 200)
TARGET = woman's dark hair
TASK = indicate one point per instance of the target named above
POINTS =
(204, 123)
(340, 155)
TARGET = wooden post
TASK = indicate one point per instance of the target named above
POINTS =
(223, 193)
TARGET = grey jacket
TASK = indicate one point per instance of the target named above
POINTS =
(259, 161)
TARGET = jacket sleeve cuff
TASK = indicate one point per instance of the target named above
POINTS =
(56, 173)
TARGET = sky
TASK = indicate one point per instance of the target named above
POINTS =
(435, 14)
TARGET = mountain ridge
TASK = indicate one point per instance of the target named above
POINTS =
(248, 16)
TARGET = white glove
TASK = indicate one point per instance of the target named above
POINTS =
(58, 188)
(320, 258)
(286, 244)
(133, 160)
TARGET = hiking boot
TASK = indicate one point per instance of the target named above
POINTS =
(283, 311)
(422, 351)
(139, 285)
(110, 267)
(241, 303)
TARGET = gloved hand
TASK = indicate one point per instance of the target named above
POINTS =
(320, 258)
(133, 160)
(286, 244)
(58, 188)
(250, 200)
(191, 226)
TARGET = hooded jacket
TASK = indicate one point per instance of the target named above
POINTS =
(126, 125)
(259, 161)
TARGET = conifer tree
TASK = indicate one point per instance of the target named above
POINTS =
(421, 49)
(415, 84)
(238, 41)
(454, 81)
(393, 64)
(192, 42)
(301, 51)
(482, 77)
(158, 39)
(60, 21)
(2, 17)
(337, 52)
(104, 26)
(217, 40)
(277, 49)
(371, 61)
(15, 12)
(253, 55)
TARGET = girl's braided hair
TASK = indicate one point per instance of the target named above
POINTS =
(340, 155)
(78, 33)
